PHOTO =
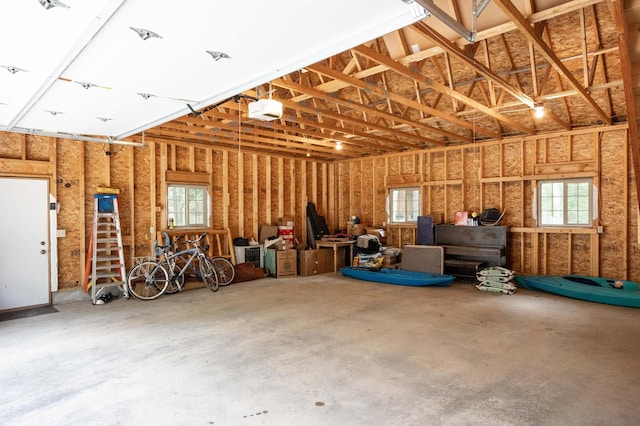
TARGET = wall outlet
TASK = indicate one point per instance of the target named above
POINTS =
(152, 230)
(600, 229)
(60, 233)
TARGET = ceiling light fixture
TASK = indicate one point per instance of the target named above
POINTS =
(218, 55)
(145, 34)
(12, 69)
(48, 4)
(339, 145)
(538, 110)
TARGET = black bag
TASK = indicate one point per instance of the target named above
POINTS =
(490, 217)
(240, 241)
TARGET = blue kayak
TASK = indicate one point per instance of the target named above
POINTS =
(398, 277)
(592, 289)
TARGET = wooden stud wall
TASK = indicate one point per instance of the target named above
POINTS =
(249, 189)
(246, 189)
(503, 175)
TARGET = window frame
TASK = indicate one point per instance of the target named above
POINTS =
(206, 205)
(591, 198)
(390, 205)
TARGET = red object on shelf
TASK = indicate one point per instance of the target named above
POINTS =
(461, 218)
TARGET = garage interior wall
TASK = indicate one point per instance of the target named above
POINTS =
(249, 189)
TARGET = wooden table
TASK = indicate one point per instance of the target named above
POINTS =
(335, 245)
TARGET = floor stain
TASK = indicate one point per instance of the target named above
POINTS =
(259, 413)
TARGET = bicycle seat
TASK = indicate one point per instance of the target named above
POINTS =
(159, 250)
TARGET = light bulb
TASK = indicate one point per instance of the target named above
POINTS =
(538, 110)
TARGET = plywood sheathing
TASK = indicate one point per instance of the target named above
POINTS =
(614, 208)
(503, 175)
(119, 169)
(71, 200)
(143, 212)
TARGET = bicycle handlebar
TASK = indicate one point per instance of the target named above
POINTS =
(195, 242)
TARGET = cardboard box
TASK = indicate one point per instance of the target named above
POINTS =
(286, 232)
(281, 262)
(307, 262)
(380, 233)
(319, 261)
(389, 261)
(266, 232)
(357, 229)
(437, 218)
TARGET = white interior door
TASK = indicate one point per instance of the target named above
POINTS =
(24, 243)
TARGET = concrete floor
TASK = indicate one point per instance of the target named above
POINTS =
(324, 350)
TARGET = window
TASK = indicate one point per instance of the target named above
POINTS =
(187, 205)
(405, 205)
(565, 202)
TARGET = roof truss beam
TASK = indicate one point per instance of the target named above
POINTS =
(528, 31)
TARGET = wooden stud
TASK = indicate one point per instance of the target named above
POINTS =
(132, 198)
(153, 200)
(83, 221)
(280, 187)
(255, 207)
(269, 190)
(164, 165)
(225, 189)
(240, 189)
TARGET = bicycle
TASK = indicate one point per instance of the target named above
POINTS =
(150, 279)
(225, 270)
(173, 268)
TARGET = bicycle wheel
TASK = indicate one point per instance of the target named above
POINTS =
(224, 269)
(176, 279)
(147, 280)
(208, 274)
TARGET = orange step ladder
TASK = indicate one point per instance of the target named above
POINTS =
(105, 265)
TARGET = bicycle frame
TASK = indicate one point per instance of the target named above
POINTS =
(158, 274)
(192, 253)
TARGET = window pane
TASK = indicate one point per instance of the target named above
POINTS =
(583, 218)
(565, 202)
(558, 203)
(187, 205)
(405, 205)
(558, 189)
(583, 203)
(583, 189)
(175, 204)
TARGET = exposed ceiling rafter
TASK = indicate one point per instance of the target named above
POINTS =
(528, 31)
